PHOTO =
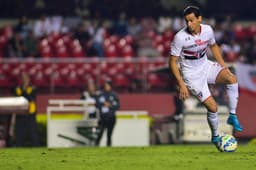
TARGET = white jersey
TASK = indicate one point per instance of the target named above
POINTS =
(192, 48)
(197, 70)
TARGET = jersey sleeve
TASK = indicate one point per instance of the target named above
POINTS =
(176, 46)
(212, 37)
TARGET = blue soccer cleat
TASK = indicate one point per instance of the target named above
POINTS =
(233, 121)
(216, 140)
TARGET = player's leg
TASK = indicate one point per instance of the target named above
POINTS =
(212, 118)
(199, 88)
(229, 79)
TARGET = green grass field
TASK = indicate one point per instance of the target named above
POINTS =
(187, 157)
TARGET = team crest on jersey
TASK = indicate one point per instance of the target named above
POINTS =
(199, 95)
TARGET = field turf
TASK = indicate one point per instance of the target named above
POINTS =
(185, 157)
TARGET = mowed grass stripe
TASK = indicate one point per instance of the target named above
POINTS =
(129, 158)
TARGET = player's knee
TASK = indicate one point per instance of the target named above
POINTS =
(211, 105)
(232, 79)
(212, 109)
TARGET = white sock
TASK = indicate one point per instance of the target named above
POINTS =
(212, 119)
(232, 92)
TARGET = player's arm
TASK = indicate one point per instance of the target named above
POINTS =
(217, 54)
(183, 91)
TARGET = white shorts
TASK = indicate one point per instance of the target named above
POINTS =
(197, 80)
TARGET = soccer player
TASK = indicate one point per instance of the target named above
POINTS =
(196, 71)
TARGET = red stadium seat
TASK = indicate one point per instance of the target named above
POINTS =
(72, 80)
(4, 80)
(40, 80)
(129, 39)
(154, 81)
(251, 30)
(161, 49)
(61, 52)
(111, 51)
(127, 51)
(240, 32)
(7, 31)
(168, 35)
(158, 39)
(121, 81)
(77, 52)
(46, 52)
(231, 56)
(57, 80)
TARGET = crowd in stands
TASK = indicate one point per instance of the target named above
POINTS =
(130, 41)
(55, 36)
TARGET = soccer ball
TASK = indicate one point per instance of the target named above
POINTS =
(228, 143)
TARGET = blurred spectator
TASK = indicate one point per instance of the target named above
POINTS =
(231, 51)
(31, 45)
(218, 32)
(91, 94)
(164, 23)
(121, 27)
(134, 28)
(23, 27)
(108, 104)
(250, 50)
(84, 35)
(56, 24)
(16, 46)
(98, 38)
(26, 125)
(42, 26)
(177, 24)
(145, 46)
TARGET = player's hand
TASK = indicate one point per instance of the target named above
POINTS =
(183, 93)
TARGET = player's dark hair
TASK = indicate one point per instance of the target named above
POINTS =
(192, 9)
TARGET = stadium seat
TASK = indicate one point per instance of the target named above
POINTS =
(127, 51)
(158, 39)
(7, 31)
(155, 82)
(72, 80)
(111, 51)
(231, 56)
(61, 52)
(121, 81)
(77, 52)
(168, 35)
(46, 52)
(240, 32)
(4, 80)
(57, 80)
(251, 30)
(129, 39)
(40, 80)
(3, 41)
(114, 39)
(161, 49)
(43, 43)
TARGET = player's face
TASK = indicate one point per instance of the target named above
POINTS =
(193, 23)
